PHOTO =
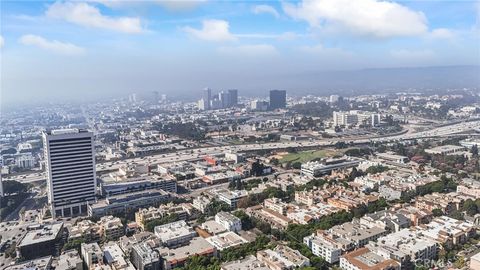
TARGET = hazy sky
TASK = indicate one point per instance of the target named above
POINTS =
(79, 49)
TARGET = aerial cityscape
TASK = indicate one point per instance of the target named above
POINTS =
(191, 135)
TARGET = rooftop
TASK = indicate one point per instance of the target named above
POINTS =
(41, 233)
(197, 246)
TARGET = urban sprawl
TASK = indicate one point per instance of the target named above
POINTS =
(239, 183)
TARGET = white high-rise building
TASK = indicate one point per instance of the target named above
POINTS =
(70, 167)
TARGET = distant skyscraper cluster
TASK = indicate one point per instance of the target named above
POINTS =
(224, 99)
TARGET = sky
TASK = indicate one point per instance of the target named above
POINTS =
(61, 50)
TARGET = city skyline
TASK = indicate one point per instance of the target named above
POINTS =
(110, 47)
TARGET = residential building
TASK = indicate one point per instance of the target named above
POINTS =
(176, 257)
(144, 256)
(92, 255)
(386, 219)
(42, 263)
(200, 203)
(70, 260)
(144, 215)
(115, 257)
(250, 262)
(364, 259)
(225, 240)
(327, 248)
(282, 258)
(230, 197)
(71, 172)
(352, 118)
(229, 221)
(175, 234)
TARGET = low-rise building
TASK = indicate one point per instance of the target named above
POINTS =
(226, 240)
(229, 221)
(175, 234)
(449, 231)
(115, 257)
(144, 215)
(275, 219)
(201, 203)
(248, 263)
(144, 256)
(176, 257)
(42, 263)
(445, 150)
(364, 259)
(388, 220)
(405, 246)
(92, 255)
(282, 258)
(41, 240)
(316, 168)
(69, 260)
(327, 248)
(120, 204)
(230, 197)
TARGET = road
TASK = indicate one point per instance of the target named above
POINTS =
(198, 153)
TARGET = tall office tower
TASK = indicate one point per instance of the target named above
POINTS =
(156, 97)
(233, 95)
(224, 98)
(278, 99)
(70, 167)
(207, 97)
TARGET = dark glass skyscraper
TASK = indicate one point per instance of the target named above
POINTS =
(278, 99)
(233, 97)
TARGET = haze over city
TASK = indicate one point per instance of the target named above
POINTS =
(70, 50)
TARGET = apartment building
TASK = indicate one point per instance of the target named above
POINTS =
(229, 221)
(282, 258)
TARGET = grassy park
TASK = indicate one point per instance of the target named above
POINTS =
(305, 156)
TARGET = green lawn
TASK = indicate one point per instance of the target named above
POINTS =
(305, 156)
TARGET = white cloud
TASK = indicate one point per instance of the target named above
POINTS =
(441, 33)
(173, 5)
(361, 17)
(416, 55)
(250, 50)
(180, 5)
(53, 46)
(258, 9)
(90, 16)
(2, 42)
(320, 49)
(212, 30)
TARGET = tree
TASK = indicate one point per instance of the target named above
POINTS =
(377, 169)
(297, 165)
(474, 150)
(14, 187)
(437, 212)
(150, 225)
(470, 207)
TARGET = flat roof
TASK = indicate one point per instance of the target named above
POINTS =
(45, 232)
(197, 246)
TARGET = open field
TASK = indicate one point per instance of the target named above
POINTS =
(305, 156)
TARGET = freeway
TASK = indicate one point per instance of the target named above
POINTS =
(198, 153)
